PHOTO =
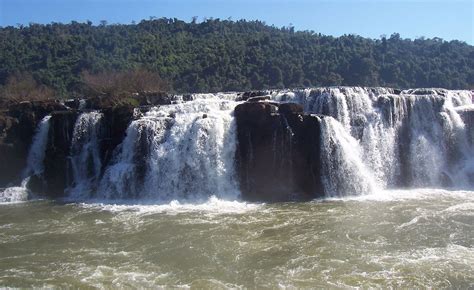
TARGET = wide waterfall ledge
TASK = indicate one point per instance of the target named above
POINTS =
(255, 146)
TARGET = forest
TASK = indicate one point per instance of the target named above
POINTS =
(62, 60)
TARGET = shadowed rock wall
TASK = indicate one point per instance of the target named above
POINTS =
(278, 152)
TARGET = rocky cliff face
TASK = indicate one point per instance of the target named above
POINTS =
(56, 164)
(18, 122)
(467, 114)
(278, 152)
(17, 127)
(58, 167)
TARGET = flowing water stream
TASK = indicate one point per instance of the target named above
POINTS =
(412, 238)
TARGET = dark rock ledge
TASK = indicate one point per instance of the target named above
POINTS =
(278, 152)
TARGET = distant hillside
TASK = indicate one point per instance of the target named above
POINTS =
(218, 55)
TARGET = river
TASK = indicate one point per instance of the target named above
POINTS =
(409, 238)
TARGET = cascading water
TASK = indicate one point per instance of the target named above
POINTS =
(181, 151)
(85, 156)
(355, 110)
(375, 138)
(460, 155)
(413, 138)
(344, 172)
(34, 164)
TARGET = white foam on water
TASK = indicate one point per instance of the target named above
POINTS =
(122, 276)
(13, 194)
(430, 257)
(213, 205)
(466, 208)
(408, 194)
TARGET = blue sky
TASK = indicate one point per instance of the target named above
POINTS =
(449, 20)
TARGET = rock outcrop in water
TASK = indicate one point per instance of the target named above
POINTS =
(258, 146)
(278, 152)
(56, 163)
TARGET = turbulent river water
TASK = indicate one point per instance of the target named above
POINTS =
(167, 211)
(414, 238)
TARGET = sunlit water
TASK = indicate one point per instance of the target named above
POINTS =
(394, 238)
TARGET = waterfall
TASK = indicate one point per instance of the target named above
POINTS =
(344, 172)
(414, 138)
(373, 139)
(85, 154)
(457, 134)
(180, 151)
(34, 164)
(369, 139)
(34, 161)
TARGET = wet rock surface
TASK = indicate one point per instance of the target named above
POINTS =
(467, 114)
(18, 123)
(277, 155)
(57, 169)
(116, 121)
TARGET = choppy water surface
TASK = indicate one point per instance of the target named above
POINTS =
(395, 238)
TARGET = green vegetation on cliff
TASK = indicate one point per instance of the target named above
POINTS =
(218, 55)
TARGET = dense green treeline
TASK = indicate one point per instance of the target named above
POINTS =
(218, 55)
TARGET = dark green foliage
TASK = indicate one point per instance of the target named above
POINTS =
(218, 55)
